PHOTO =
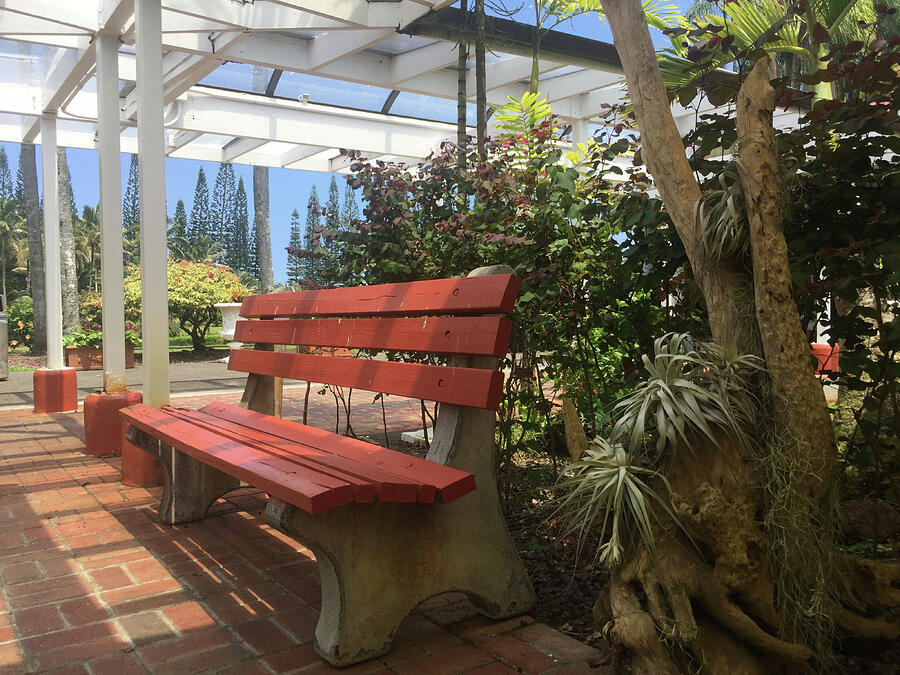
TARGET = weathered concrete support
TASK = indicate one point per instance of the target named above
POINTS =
(190, 487)
(378, 561)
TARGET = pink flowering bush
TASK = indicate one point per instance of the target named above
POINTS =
(194, 289)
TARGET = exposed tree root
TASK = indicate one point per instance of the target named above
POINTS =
(711, 599)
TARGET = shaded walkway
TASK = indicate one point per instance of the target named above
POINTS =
(92, 583)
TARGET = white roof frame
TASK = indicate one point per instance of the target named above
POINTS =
(347, 40)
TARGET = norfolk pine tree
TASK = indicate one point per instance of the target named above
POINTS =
(7, 189)
(131, 213)
(295, 265)
(221, 218)
(312, 239)
(199, 220)
(239, 255)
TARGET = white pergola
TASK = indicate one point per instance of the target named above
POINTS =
(278, 83)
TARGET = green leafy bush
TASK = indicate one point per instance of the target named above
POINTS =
(21, 322)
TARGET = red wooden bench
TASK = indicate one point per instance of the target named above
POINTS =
(388, 530)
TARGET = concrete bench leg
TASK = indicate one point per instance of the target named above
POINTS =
(377, 562)
(190, 487)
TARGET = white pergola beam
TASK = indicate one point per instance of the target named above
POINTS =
(80, 15)
(180, 139)
(422, 61)
(19, 24)
(329, 47)
(365, 14)
(249, 16)
(239, 147)
(298, 153)
(245, 115)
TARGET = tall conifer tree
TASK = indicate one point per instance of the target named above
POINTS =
(239, 254)
(198, 224)
(221, 211)
(295, 267)
(19, 192)
(131, 213)
(312, 240)
(179, 221)
(7, 190)
(350, 210)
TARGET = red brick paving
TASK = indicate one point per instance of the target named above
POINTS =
(93, 583)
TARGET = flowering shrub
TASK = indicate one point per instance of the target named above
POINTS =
(21, 322)
(194, 287)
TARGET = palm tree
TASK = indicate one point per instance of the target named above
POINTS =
(87, 248)
(198, 248)
(12, 230)
(800, 38)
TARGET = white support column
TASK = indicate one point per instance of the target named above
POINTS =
(51, 242)
(579, 132)
(152, 172)
(110, 213)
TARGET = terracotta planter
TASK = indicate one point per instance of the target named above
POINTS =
(91, 358)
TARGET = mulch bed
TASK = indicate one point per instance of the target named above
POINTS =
(565, 582)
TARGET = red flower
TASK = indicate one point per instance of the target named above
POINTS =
(212, 275)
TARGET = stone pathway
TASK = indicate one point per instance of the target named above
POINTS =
(93, 583)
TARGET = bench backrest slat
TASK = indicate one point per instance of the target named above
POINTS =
(474, 335)
(493, 294)
(457, 386)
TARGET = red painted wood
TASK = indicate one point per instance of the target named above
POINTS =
(368, 481)
(494, 294)
(449, 483)
(458, 386)
(477, 335)
(311, 491)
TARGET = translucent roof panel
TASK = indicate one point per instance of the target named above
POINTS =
(332, 92)
(240, 77)
(430, 108)
(28, 63)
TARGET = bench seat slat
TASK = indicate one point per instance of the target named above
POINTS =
(493, 294)
(476, 335)
(368, 481)
(449, 483)
(306, 489)
(458, 386)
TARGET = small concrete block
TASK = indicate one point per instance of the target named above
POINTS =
(55, 391)
(416, 437)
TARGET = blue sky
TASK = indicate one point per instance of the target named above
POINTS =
(288, 189)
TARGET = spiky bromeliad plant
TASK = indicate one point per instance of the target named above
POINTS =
(689, 393)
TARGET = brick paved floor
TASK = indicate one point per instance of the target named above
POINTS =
(92, 583)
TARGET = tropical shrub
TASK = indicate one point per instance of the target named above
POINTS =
(21, 322)
(589, 304)
(194, 287)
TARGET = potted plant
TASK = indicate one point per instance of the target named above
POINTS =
(84, 348)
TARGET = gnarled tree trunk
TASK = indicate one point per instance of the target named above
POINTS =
(263, 229)
(36, 277)
(713, 597)
(71, 320)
